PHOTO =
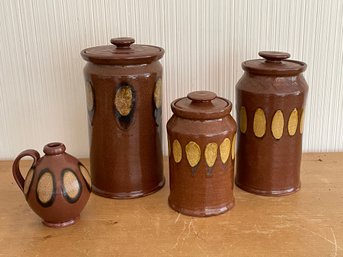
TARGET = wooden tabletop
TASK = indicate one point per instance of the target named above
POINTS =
(308, 223)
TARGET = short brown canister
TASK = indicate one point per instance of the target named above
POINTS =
(123, 88)
(201, 137)
(270, 100)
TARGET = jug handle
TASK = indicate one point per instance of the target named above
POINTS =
(15, 167)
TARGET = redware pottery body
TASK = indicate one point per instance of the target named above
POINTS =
(123, 86)
(270, 100)
(201, 137)
(57, 186)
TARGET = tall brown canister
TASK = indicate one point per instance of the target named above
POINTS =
(123, 87)
(201, 137)
(270, 100)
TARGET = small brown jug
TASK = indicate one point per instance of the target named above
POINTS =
(57, 186)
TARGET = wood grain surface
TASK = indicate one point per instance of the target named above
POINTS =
(308, 223)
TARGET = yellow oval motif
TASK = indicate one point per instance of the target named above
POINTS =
(243, 120)
(278, 124)
(45, 187)
(177, 151)
(86, 175)
(293, 122)
(71, 184)
(224, 150)
(302, 121)
(89, 96)
(158, 94)
(211, 154)
(193, 153)
(28, 181)
(123, 100)
(259, 123)
(233, 147)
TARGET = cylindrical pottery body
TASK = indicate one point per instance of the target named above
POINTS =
(123, 86)
(201, 137)
(57, 186)
(270, 100)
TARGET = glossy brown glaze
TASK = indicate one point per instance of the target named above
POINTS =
(57, 187)
(124, 107)
(201, 136)
(270, 100)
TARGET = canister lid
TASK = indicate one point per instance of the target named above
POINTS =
(274, 64)
(201, 105)
(123, 51)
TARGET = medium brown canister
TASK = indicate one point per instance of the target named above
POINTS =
(270, 100)
(201, 137)
(123, 88)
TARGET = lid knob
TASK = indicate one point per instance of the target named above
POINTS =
(273, 56)
(201, 96)
(122, 42)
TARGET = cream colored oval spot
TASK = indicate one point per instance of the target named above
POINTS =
(158, 94)
(45, 187)
(177, 151)
(123, 100)
(89, 96)
(224, 150)
(233, 147)
(86, 175)
(28, 181)
(211, 151)
(293, 122)
(278, 124)
(243, 120)
(259, 123)
(71, 184)
(193, 153)
(302, 121)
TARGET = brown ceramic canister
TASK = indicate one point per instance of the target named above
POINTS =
(270, 100)
(57, 186)
(201, 137)
(123, 88)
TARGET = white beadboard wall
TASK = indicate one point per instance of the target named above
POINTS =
(42, 95)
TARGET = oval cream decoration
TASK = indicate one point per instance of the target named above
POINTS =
(259, 123)
(28, 181)
(89, 97)
(193, 153)
(302, 121)
(71, 185)
(211, 154)
(86, 175)
(293, 122)
(177, 151)
(243, 121)
(123, 100)
(224, 150)
(233, 147)
(278, 124)
(158, 94)
(45, 187)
